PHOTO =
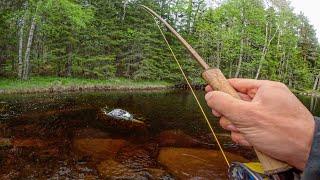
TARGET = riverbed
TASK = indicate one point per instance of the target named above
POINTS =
(59, 136)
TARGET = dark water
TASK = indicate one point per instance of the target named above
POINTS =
(60, 136)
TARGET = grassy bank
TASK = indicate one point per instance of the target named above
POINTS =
(57, 84)
(306, 92)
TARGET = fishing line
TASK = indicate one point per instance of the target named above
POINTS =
(193, 93)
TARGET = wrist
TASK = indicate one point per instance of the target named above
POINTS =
(300, 158)
(312, 167)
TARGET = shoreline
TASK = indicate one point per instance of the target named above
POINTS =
(64, 85)
(67, 89)
(310, 94)
(306, 93)
(101, 88)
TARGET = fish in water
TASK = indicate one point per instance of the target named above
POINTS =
(120, 114)
(120, 119)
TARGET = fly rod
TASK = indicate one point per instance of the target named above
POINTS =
(215, 78)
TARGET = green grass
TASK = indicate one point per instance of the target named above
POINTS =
(48, 82)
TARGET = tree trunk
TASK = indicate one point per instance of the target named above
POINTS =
(69, 61)
(261, 62)
(316, 83)
(312, 103)
(230, 71)
(20, 60)
(265, 49)
(189, 14)
(263, 52)
(125, 3)
(243, 23)
(283, 66)
(27, 53)
(240, 59)
(278, 43)
(197, 13)
(176, 13)
(218, 59)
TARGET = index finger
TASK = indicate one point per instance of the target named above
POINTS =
(244, 85)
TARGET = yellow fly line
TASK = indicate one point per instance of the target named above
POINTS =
(193, 93)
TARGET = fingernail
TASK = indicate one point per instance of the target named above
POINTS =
(232, 128)
(208, 95)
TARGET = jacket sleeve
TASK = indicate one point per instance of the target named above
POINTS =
(312, 169)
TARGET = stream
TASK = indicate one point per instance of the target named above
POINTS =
(64, 136)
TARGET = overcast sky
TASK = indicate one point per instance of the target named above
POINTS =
(310, 8)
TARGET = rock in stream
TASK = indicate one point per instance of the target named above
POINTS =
(98, 148)
(177, 138)
(190, 163)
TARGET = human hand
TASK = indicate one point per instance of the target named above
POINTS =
(269, 117)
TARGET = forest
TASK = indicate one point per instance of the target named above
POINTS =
(103, 39)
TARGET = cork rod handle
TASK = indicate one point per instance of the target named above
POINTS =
(217, 80)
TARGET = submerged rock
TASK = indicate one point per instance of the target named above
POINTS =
(111, 169)
(98, 148)
(47, 154)
(32, 143)
(4, 106)
(178, 138)
(138, 156)
(159, 174)
(187, 163)
(90, 133)
(5, 143)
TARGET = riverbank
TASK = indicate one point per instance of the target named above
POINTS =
(59, 84)
(62, 84)
(306, 93)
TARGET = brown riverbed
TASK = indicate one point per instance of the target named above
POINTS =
(59, 136)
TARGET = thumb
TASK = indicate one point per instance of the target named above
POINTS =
(232, 108)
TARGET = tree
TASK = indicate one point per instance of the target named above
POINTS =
(270, 33)
(62, 21)
(262, 39)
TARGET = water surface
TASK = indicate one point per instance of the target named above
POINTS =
(53, 136)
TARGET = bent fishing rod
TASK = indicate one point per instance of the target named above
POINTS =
(215, 78)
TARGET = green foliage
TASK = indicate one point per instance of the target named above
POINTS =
(106, 39)
(287, 40)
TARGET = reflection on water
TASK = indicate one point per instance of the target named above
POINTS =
(312, 103)
(64, 136)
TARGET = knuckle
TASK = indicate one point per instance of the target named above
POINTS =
(268, 82)
(235, 137)
(281, 85)
(222, 122)
(207, 88)
(277, 84)
(274, 84)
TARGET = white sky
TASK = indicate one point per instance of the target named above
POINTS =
(311, 9)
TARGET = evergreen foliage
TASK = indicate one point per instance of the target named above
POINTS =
(104, 39)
